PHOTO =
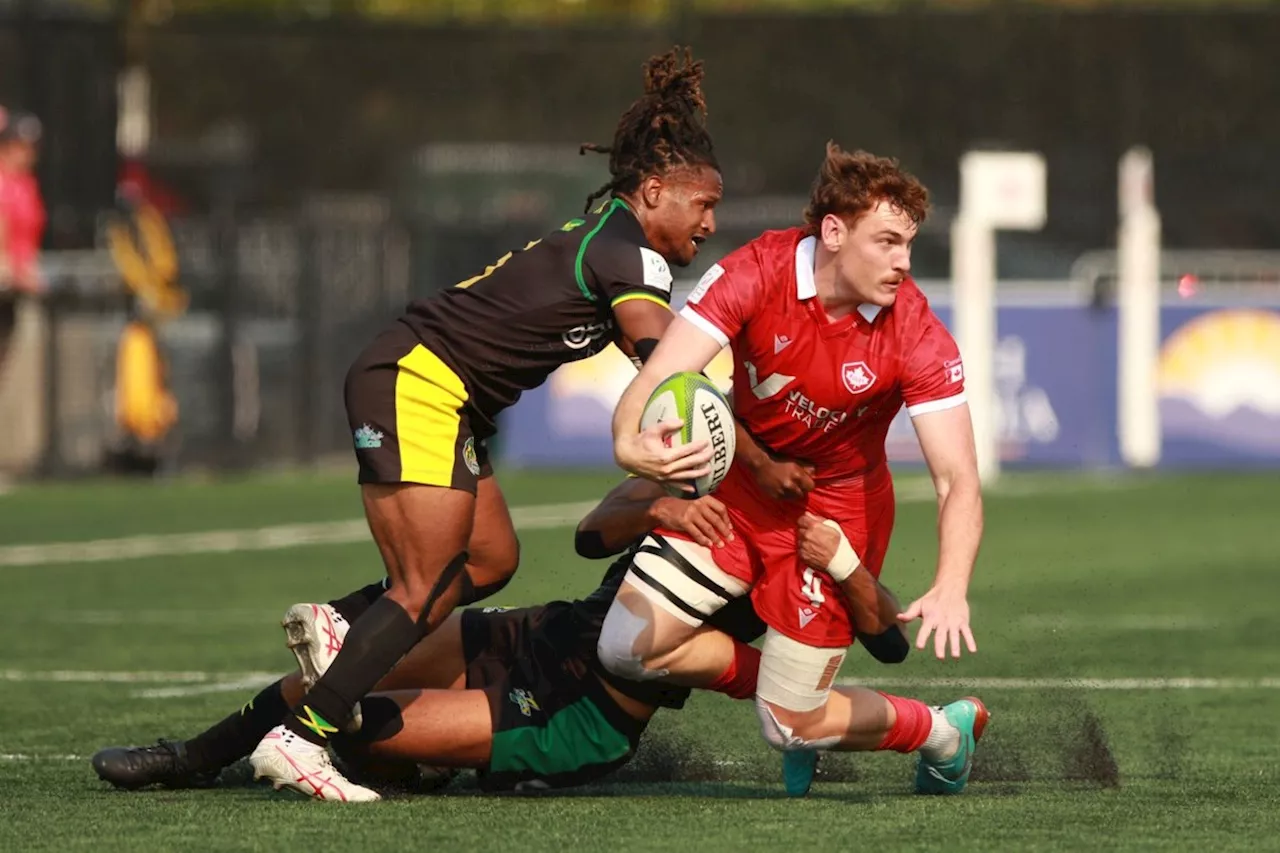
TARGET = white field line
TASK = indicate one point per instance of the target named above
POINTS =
(172, 685)
(220, 682)
(76, 676)
(545, 517)
(218, 619)
(197, 683)
(1089, 684)
(255, 681)
(538, 517)
(194, 682)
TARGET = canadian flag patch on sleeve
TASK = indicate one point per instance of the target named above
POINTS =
(954, 371)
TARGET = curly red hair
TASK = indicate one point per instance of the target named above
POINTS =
(851, 183)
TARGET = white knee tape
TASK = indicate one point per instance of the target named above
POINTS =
(783, 738)
(616, 647)
(795, 676)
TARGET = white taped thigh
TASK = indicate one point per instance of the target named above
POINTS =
(795, 676)
(616, 645)
(681, 578)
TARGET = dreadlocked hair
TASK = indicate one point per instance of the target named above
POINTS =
(664, 129)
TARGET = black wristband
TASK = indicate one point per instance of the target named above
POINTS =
(644, 348)
(590, 544)
(889, 646)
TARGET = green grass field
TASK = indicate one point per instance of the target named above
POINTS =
(1093, 599)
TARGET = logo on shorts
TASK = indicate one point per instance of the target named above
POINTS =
(469, 456)
(368, 438)
(857, 376)
(494, 609)
(525, 700)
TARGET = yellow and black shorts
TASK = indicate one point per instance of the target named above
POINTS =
(408, 415)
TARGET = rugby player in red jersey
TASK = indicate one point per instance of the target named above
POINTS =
(830, 338)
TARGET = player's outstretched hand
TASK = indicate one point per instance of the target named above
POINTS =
(649, 454)
(785, 480)
(943, 613)
(705, 520)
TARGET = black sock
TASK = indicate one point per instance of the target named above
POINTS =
(353, 606)
(472, 593)
(383, 720)
(374, 645)
(237, 735)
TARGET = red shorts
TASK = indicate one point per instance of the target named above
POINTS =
(803, 604)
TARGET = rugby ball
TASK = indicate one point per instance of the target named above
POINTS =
(694, 399)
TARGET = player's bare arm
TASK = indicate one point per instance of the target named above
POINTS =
(636, 506)
(683, 347)
(946, 439)
(779, 478)
(641, 322)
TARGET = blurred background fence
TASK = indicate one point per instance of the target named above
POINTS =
(318, 163)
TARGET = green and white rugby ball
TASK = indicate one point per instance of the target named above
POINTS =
(694, 399)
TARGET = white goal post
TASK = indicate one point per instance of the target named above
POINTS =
(1138, 312)
(998, 190)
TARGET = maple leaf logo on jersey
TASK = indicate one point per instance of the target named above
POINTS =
(857, 376)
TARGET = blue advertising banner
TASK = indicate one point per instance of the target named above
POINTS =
(1055, 367)
(1055, 382)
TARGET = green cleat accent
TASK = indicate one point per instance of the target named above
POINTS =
(951, 776)
(798, 768)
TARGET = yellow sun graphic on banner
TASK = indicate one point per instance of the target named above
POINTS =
(1223, 361)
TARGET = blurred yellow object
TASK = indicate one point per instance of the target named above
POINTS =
(143, 252)
(145, 409)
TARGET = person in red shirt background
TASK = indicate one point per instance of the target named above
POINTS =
(22, 216)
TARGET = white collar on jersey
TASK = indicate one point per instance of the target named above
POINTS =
(806, 288)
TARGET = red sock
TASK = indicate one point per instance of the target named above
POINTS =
(912, 726)
(739, 680)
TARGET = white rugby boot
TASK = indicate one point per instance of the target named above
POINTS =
(315, 633)
(288, 761)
